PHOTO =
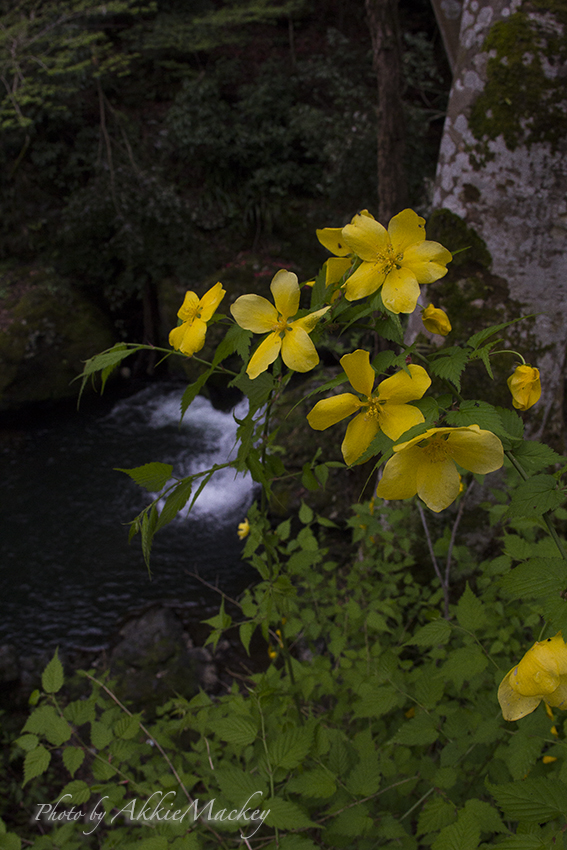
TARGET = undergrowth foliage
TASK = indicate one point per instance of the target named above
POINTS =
(376, 722)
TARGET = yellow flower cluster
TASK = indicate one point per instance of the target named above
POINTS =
(367, 257)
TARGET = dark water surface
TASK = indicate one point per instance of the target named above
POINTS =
(67, 573)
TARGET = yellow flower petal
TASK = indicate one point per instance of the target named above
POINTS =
(515, 706)
(254, 313)
(525, 386)
(476, 450)
(359, 434)
(396, 419)
(436, 321)
(189, 307)
(332, 239)
(366, 237)
(399, 477)
(285, 289)
(264, 355)
(400, 291)
(298, 352)
(359, 371)
(402, 387)
(309, 321)
(367, 278)
(405, 229)
(335, 269)
(210, 301)
(427, 261)
(329, 411)
(188, 337)
(558, 699)
(243, 529)
(438, 483)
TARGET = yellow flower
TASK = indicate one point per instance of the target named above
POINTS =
(549, 759)
(426, 465)
(540, 675)
(256, 314)
(243, 529)
(436, 321)
(397, 259)
(385, 410)
(332, 239)
(194, 313)
(525, 387)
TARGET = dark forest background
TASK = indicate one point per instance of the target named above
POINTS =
(148, 141)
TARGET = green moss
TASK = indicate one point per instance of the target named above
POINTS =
(520, 101)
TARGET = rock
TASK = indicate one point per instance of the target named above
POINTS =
(47, 331)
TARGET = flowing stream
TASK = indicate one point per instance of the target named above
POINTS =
(67, 572)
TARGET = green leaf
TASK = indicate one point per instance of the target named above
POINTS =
(73, 758)
(535, 578)
(512, 422)
(101, 735)
(151, 476)
(352, 822)
(450, 364)
(463, 664)
(364, 778)
(438, 631)
(237, 785)
(246, 631)
(285, 815)
(534, 456)
(463, 835)
(52, 676)
(236, 730)
(45, 721)
(470, 611)
(79, 791)
(257, 391)
(535, 496)
(36, 762)
(536, 800)
(27, 742)
(10, 841)
(305, 514)
(290, 748)
(419, 731)
(435, 814)
(478, 338)
(375, 701)
(486, 815)
(476, 413)
(319, 783)
(175, 502)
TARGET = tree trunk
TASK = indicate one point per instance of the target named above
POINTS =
(386, 47)
(503, 171)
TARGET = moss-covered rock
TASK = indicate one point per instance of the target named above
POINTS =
(47, 331)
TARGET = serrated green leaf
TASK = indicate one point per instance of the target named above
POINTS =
(375, 701)
(535, 800)
(257, 391)
(364, 778)
(236, 730)
(470, 610)
(73, 758)
(535, 578)
(36, 762)
(319, 783)
(10, 841)
(450, 364)
(101, 735)
(436, 814)
(45, 721)
(237, 785)
(438, 631)
(511, 421)
(419, 731)
(175, 502)
(290, 748)
(79, 791)
(352, 822)
(246, 630)
(534, 456)
(463, 835)
(151, 476)
(486, 816)
(285, 815)
(476, 413)
(463, 664)
(305, 514)
(535, 496)
(27, 742)
(52, 676)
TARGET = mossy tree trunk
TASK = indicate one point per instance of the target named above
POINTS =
(503, 170)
